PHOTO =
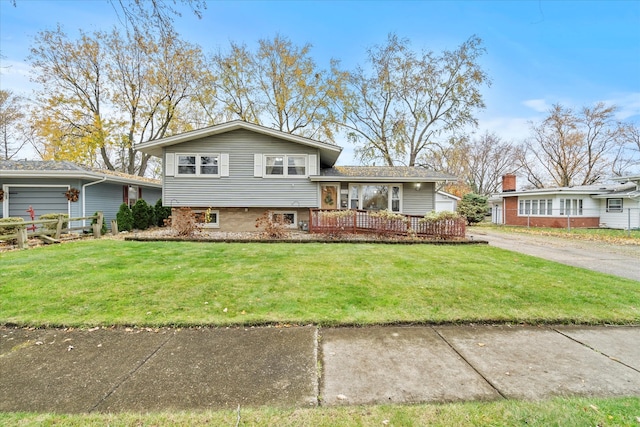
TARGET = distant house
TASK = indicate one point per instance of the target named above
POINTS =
(612, 206)
(239, 170)
(46, 186)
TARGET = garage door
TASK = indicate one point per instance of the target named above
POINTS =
(42, 199)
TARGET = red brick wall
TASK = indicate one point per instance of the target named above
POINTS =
(511, 218)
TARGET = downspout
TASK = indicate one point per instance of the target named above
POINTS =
(84, 206)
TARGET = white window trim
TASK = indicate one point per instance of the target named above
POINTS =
(294, 224)
(198, 157)
(285, 166)
(209, 224)
(375, 184)
(522, 207)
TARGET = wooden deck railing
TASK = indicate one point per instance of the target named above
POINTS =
(360, 221)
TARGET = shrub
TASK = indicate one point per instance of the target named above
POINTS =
(473, 207)
(273, 226)
(124, 218)
(183, 221)
(434, 216)
(161, 213)
(7, 229)
(53, 225)
(141, 217)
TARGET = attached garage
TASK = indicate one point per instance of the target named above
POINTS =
(43, 200)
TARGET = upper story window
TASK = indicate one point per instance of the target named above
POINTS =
(614, 205)
(285, 165)
(198, 164)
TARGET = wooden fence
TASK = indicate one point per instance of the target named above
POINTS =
(23, 231)
(360, 221)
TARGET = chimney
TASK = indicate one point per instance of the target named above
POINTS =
(508, 183)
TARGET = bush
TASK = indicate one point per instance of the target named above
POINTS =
(9, 229)
(183, 221)
(53, 225)
(434, 216)
(124, 218)
(473, 207)
(273, 226)
(141, 216)
(161, 213)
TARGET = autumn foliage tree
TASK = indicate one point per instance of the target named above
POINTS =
(102, 93)
(279, 85)
(11, 116)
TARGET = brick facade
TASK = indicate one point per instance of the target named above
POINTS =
(244, 219)
(511, 217)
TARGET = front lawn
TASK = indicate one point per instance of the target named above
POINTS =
(109, 282)
(575, 411)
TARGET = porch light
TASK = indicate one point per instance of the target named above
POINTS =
(417, 186)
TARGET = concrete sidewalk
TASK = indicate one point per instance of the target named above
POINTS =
(113, 370)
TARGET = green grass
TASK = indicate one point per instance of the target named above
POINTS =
(554, 412)
(109, 282)
(603, 234)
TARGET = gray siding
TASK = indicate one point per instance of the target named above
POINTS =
(418, 202)
(104, 197)
(240, 188)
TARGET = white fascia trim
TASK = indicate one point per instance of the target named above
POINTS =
(79, 175)
(155, 147)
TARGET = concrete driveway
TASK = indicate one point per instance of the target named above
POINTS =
(619, 260)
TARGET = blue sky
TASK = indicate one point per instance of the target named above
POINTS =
(538, 52)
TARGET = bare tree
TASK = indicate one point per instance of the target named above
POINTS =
(627, 154)
(571, 148)
(480, 163)
(12, 138)
(403, 101)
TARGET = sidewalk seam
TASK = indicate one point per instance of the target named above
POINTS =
(614, 359)
(131, 373)
(469, 363)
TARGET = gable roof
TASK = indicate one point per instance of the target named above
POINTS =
(328, 152)
(382, 174)
(65, 169)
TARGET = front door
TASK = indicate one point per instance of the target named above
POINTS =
(329, 197)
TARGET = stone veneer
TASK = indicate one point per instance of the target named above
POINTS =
(244, 219)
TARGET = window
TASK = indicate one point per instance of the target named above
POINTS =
(614, 205)
(198, 164)
(289, 218)
(208, 218)
(296, 165)
(571, 207)
(376, 197)
(132, 194)
(536, 207)
(285, 165)
(186, 165)
(275, 165)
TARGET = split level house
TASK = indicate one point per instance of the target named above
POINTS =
(237, 171)
(601, 205)
(43, 187)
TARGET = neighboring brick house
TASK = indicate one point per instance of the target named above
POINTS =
(612, 205)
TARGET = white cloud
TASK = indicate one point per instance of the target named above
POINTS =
(538, 105)
(15, 76)
(628, 105)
